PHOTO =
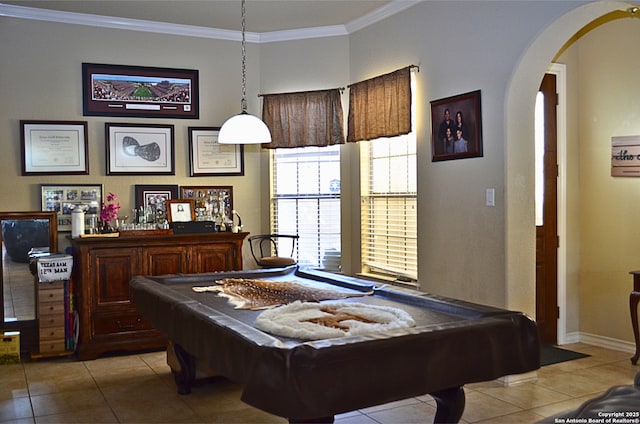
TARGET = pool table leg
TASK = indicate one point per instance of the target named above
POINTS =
(450, 404)
(186, 376)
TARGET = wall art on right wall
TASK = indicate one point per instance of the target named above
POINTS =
(456, 127)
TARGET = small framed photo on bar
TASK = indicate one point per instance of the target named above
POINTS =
(180, 210)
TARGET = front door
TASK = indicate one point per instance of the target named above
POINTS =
(547, 312)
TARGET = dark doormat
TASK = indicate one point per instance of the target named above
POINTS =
(552, 355)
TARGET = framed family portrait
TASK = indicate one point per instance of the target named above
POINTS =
(139, 91)
(151, 199)
(63, 198)
(134, 149)
(456, 127)
(180, 210)
(54, 147)
(209, 158)
(210, 201)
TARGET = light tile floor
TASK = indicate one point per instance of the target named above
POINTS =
(140, 389)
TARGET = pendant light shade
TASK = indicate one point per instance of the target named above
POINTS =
(244, 128)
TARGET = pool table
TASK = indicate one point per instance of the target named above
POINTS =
(453, 343)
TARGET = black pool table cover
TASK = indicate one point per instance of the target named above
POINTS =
(453, 343)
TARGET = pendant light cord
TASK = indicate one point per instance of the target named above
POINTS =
(243, 105)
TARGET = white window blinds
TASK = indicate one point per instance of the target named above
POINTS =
(305, 200)
(388, 204)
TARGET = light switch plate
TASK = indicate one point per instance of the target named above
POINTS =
(490, 196)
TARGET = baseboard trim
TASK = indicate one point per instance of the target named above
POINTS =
(606, 342)
(575, 337)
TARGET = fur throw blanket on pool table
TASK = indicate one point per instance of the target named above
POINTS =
(256, 294)
(316, 321)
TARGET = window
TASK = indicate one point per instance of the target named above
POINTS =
(305, 200)
(539, 158)
(388, 204)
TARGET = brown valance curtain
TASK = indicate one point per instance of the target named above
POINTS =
(310, 118)
(380, 106)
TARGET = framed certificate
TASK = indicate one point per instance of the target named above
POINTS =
(208, 158)
(54, 147)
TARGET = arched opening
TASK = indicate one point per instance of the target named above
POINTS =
(519, 146)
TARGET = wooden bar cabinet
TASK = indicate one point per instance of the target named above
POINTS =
(103, 267)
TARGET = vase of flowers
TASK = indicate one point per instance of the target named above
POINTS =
(109, 214)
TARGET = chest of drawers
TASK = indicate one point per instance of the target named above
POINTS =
(51, 318)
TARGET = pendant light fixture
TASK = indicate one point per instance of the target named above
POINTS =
(244, 128)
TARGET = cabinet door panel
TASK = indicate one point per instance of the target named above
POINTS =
(113, 269)
(214, 257)
(165, 260)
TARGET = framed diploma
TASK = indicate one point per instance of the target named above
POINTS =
(208, 158)
(54, 147)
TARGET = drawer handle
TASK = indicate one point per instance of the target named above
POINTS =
(128, 326)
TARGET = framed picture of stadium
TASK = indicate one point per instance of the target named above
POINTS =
(139, 91)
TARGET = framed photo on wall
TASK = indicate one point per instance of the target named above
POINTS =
(54, 147)
(139, 91)
(456, 127)
(134, 149)
(210, 201)
(151, 199)
(63, 198)
(209, 158)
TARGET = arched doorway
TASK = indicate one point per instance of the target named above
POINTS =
(519, 153)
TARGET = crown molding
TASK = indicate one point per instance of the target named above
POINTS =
(303, 33)
(390, 9)
(23, 12)
(122, 23)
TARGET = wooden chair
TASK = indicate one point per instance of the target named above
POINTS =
(264, 249)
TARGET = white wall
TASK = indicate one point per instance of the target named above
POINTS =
(40, 78)
(608, 96)
(461, 241)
